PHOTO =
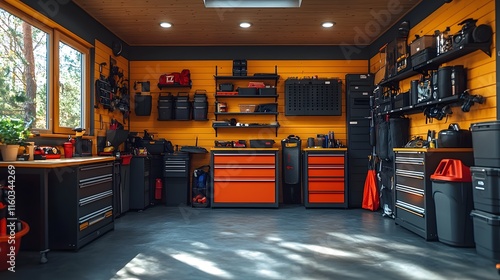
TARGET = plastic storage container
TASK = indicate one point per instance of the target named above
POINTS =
(483, 134)
(486, 189)
(247, 108)
(487, 234)
(452, 194)
(143, 104)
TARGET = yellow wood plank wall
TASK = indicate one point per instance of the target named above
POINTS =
(480, 67)
(103, 53)
(202, 75)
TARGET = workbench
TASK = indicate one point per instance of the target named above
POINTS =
(32, 180)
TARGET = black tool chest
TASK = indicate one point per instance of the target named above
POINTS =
(80, 205)
(140, 170)
(176, 176)
(415, 208)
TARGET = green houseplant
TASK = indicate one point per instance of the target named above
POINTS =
(13, 132)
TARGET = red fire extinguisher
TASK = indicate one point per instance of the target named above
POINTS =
(158, 187)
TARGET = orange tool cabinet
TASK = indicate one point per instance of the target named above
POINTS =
(244, 177)
(324, 178)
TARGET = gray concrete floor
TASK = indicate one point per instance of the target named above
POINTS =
(286, 243)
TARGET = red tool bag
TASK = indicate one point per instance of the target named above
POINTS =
(175, 79)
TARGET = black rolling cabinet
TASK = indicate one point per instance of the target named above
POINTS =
(176, 178)
(80, 205)
(140, 168)
(359, 88)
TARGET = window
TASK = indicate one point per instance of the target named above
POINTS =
(71, 91)
(44, 74)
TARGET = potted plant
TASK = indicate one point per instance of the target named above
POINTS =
(13, 132)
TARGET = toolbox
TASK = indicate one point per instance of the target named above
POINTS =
(422, 43)
(261, 143)
(423, 56)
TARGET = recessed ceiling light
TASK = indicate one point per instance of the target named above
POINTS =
(245, 24)
(252, 3)
(166, 24)
(328, 24)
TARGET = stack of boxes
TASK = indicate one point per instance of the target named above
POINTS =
(240, 67)
(486, 188)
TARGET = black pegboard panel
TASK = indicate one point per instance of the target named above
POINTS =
(313, 97)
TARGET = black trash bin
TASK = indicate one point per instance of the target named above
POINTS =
(452, 194)
(291, 152)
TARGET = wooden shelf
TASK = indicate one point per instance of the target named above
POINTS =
(241, 113)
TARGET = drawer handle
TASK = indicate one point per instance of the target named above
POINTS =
(243, 180)
(244, 166)
(479, 188)
(410, 211)
(410, 174)
(95, 197)
(409, 190)
(95, 214)
(325, 167)
(95, 182)
(326, 179)
(410, 206)
(244, 154)
(85, 168)
(326, 155)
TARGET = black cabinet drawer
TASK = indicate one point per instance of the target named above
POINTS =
(412, 196)
(410, 166)
(410, 214)
(97, 185)
(414, 180)
(94, 202)
(87, 172)
(94, 221)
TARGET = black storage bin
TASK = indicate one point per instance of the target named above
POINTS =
(423, 56)
(486, 189)
(267, 91)
(483, 135)
(402, 100)
(154, 147)
(452, 194)
(454, 138)
(200, 111)
(247, 91)
(143, 104)
(399, 134)
(291, 167)
(226, 87)
(486, 234)
(165, 107)
(182, 106)
(268, 107)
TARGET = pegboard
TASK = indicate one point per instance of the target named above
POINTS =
(313, 97)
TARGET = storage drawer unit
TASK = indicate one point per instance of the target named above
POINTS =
(176, 176)
(244, 177)
(324, 178)
(80, 205)
(414, 205)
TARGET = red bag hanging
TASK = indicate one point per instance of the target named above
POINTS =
(371, 200)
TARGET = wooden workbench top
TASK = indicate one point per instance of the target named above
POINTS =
(325, 149)
(243, 149)
(52, 163)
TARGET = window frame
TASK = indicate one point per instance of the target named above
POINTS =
(60, 37)
(57, 33)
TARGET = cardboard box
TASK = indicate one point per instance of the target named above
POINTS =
(418, 45)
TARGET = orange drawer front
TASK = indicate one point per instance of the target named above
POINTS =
(236, 172)
(326, 197)
(244, 192)
(337, 186)
(325, 159)
(325, 172)
(243, 159)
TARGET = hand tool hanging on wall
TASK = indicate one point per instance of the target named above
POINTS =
(103, 90)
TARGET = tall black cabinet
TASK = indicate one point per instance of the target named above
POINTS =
(140, 167)
(359, 88)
